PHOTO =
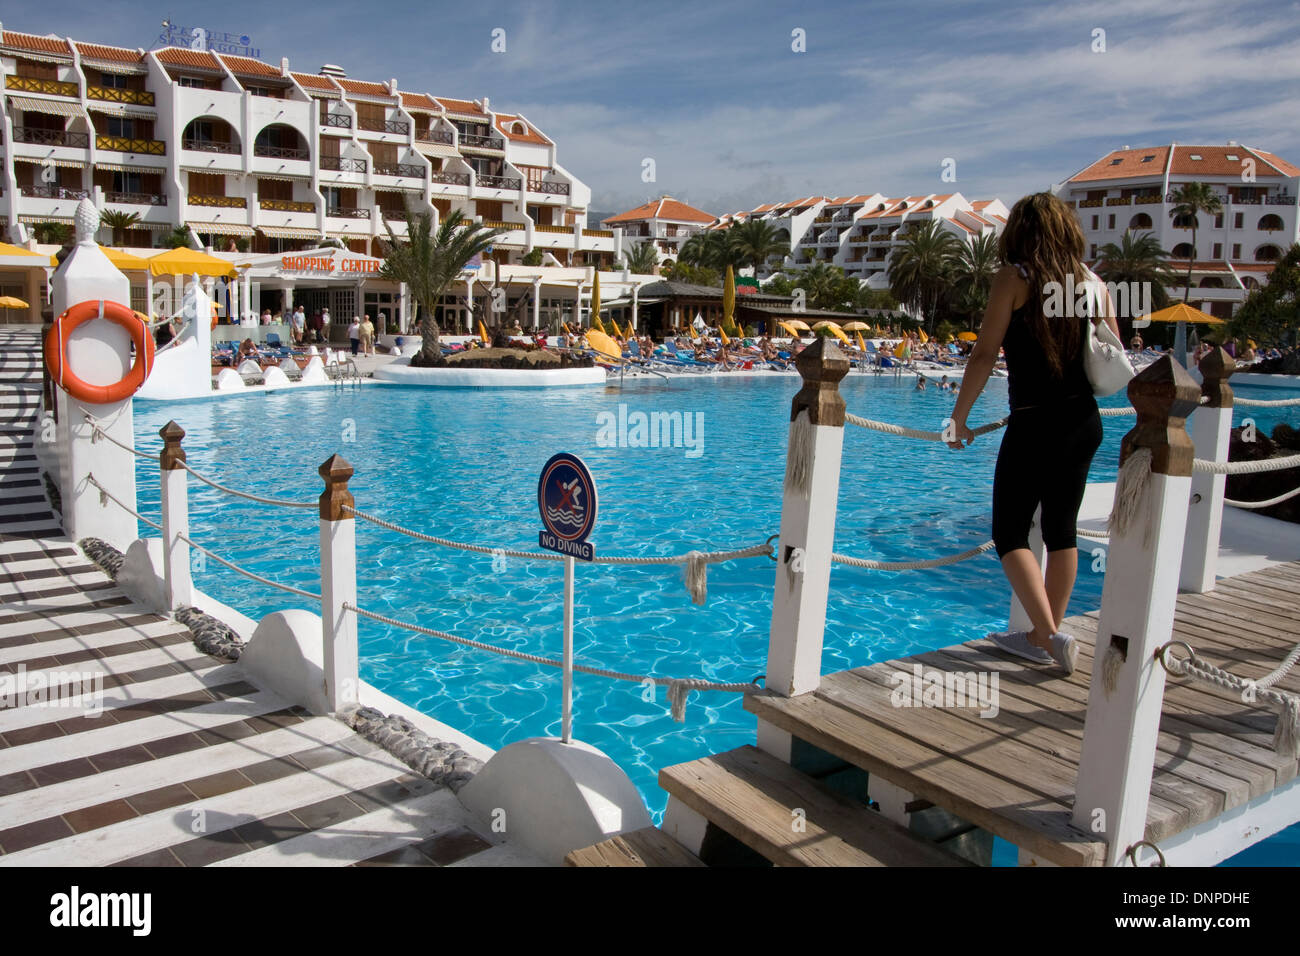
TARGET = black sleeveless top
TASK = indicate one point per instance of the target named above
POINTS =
(1030, 380)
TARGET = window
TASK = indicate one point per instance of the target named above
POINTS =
(1195, 156)
(519, 129)
(197, 82)
(1233, 157)
(207, 184)
(120, 126)
(1110, 221)
(1218, 251)
(1218, 221)
(1096, 220)
(1116, 162)
(1236, 250)
(1238, 220)
(113, 81)
(274, 189)
(1147, 159)
(259, 90)
(124, 182)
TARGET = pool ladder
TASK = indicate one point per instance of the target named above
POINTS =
(347, 372)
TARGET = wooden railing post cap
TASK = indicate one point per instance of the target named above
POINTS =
(1216, 368)
(1163, 394)
(172, 453)
(336, 471)
(821, 366)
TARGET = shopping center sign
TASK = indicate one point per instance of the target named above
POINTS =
(337, 266)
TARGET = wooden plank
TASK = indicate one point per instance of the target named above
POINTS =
(648, 846)
(1027, 819)
(791, 819)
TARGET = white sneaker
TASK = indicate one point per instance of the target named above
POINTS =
(1017, 643)
(1065, 651)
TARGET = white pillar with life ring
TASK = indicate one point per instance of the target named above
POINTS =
(97, 353)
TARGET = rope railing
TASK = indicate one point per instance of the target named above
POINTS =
(1251, 505)
(245, 572)
(105, 496)
(678, 687)
(276, 502)
(904, 432)
(1265, 402)
(1206, 466)
(912, 565)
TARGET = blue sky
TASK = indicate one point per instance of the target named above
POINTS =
(733, 116)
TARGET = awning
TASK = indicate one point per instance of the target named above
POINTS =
(281, 177)
(65, 59)
(129, 167)
(441, 150)
(478, 118)
(223, 228)
(51, 107)
(68, 219)
(122, 109)
(65, 163)
(288, 232)
(184, 262)
(109, 66)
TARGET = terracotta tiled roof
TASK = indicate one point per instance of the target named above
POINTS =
(959, 223)
(364, 87)
(664, 208)
(179, 56)
(1126, 164)
(978, 204)
(942, 198)
(1001, 219)
(419, 101)
(249, 66)
(460, 106)
(96, 51)
(1214, 161)
(314, 82)
(891, 209)
(810, 201)
(978, 217)
(37, 44)
(506, 123)
(766, 207)
(1277, 162)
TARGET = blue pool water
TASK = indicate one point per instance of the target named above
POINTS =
(463, 464)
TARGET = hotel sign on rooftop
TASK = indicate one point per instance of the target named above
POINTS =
(202, 38)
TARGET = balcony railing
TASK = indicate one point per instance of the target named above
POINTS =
(128, 144)
(387, 126)
(1119, 201)
(548, 227)
(348, 212)
(341, 165)
(50, 137)
(436, 136)
(399, 169)
(1279, 200)
(48, 191)
(1089, 203)
(30, 84)
(136, 199)
(281, 152)
(598, 233)
(114, 95)
(821, 219)
(337, 120)
(860, 240)
(499, 182)
(502, 224)
(395, 214)
(482, 142)
(221, 202)
(210, 146)
(286, 205)
(1147, 200)
(451, 179)
(549, 188)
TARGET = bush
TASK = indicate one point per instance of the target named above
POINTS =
(1286, 437)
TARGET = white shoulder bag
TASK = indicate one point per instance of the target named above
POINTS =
(1104, 358)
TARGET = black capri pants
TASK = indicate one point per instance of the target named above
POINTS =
(1044, 460)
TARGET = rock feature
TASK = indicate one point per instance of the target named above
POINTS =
(439, 760)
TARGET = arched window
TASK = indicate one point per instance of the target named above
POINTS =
(1268, 254)
(1140, 221)
(210, 134)
(1182, 222)
(279, 141)
(1210, 282)
(1270, 223)
(1181, 251)
(518, 129)
(1250, 282)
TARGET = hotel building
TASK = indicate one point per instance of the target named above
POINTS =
(1133, 190)
(860, 233)
(667, 222)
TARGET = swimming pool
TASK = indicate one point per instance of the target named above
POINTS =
(463, 464)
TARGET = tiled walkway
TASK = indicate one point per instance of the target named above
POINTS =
(169, 757)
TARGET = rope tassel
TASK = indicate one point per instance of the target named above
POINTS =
(1286, 736)
(697, 577)
(1130, 491)
(1111, 665)
(678, 691)
(798, 465)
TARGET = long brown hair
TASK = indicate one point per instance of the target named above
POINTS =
(1043, 237)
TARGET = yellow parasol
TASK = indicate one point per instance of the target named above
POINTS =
(603, 344)
(861, 344)
(595, 302)
(12, 302)
(187, 262)
(1182, 312)
(835, 331)
(729, 298)
(966, 336)
(901, 350)
(482, 333)
(596, 324)
(722, 333)
(565, 328)
(924, 338)
(799, 324)
(124, 260)
(855, 326)
(789, 327)
(631, 332)
(6, 249)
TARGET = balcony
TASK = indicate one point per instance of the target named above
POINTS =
(127, 144)
(397, 215)
(482, 142)
(860, 240)
(1146, 200)
(136, 199)
(1089, 203)
(348, 212)
(114, 95)
(337, 120)
(220, 202)
(1279, 200)
(48, 191)
(210, 146)
(549, 188)
(281, 152)
(821, 219)
(436, 136)
(341, 165)
(399, 169)
(547, 227)
(50, 137)
(499, 182)
(451, 179)
(286, 205)
(29, 84)
(598, 233)
(501, 224)
(387, 126)
(1119, 201)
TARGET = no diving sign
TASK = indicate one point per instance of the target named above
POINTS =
(566, 500)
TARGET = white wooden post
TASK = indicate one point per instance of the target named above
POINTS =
(812, 483)
(1137, 617)
(177, 583)
(1018, 618)
(338, 579)
(1211, 428)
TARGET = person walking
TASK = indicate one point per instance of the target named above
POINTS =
(1054, 428)
(354, 334)
(297, 321)
(367, 336)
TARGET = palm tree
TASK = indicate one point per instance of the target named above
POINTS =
(919, 269)
(428, 261)
(1191, 199)
(972, 268)
(711, 249)
(1137, 262)
(119, 222)
(642, 258)
(824, 285)
(757, 241)
(178, 238)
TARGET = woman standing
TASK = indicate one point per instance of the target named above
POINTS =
(1054, 428)
(354, 334)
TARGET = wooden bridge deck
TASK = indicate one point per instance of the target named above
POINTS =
(1014, 774)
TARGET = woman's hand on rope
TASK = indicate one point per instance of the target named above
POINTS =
(963, 436)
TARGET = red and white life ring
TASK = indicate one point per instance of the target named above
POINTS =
(56, 351)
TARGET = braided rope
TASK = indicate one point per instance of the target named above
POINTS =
(1265, 403)
(901, 431)
(912, 565)
(1262, 504)
(97, 434)
(1286, 735)
(1244, 467)
(278, 502)
(678, 687)
(1099, 535)
(1112, 412)
(246, 573)
(106, 496)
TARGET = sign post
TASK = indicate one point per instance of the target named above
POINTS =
(566, 500)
